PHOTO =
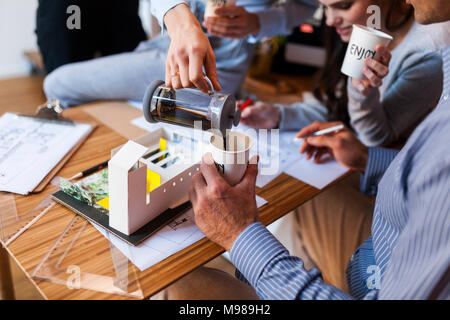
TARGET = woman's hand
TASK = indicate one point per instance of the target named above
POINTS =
(375, 70)
(232, 22)
(260, 115)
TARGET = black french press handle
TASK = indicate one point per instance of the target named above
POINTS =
(146, 102)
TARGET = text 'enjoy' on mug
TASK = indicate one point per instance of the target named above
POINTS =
(361, 46)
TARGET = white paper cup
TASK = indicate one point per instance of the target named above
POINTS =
(233, 162)
(211, 6)
(362, 46)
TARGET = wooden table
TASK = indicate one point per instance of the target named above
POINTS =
(283, 195)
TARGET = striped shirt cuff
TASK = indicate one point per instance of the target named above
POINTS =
(378, 161)
(253, 249)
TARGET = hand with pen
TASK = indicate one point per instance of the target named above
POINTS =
(342, 145)
(259, 115)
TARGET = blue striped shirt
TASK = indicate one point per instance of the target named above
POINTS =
(410, 242)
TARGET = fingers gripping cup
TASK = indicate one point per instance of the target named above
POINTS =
(232, 162)
(212, 5)
(362, 46)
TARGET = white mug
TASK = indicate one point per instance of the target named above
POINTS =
(361, 46)
(211, 6)
(231, 163)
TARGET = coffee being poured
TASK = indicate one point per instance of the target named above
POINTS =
(189, 107)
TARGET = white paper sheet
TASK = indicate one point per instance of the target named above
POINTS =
(176, 236)
(30, 148)
(317, 175)
(296, 165)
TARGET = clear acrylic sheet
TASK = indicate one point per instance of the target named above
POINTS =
(69, 261)
(78, 260)
(13, 223)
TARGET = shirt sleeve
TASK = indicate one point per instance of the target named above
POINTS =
(421, 255)
(280, 20)
(380, 121)
(159, 9)
(269, 268)
(377, 163)
(300, 114)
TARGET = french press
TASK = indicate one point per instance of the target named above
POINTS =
(184, 107)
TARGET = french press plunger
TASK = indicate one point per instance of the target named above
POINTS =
(184, 107)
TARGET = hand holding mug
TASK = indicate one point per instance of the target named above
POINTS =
(367, 52)
(375, 70)
(232, 22)
(222, 211)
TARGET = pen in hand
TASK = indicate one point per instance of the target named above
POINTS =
(334, 129)
(251, 99)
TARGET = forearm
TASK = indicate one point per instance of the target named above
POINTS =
(282, 19)
(273, 272)
(159, 8)
(380, 121)
(301, 114)
(180, 18)
(368, 117)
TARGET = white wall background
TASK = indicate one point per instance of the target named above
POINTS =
(17, 23)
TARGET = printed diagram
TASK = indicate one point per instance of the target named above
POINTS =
(178, 223)
(31, 147)
(181, 230)
(19, 139)
(169, 240)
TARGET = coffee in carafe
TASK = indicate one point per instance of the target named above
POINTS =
(186, 107)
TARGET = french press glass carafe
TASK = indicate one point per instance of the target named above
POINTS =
(184, 107)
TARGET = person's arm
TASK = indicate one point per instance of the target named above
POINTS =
(378, 161)
(190, 50)
(301, 114)
(263, 115)
(349, 152)
(228, 215)
(421, 254)
(159, 8)
(416, 90)
(274, 274)
(280, 20)
(258, 19)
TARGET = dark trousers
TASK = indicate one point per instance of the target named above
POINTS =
(107, 27)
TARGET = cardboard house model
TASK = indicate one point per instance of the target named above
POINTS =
(147, 176)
